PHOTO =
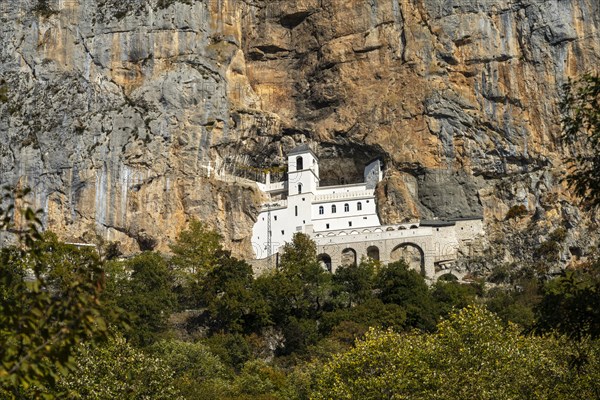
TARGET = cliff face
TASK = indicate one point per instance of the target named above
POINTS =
(127, 118)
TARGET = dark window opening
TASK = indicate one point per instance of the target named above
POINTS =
(299, 163)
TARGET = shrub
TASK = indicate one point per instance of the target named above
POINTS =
(516, 211)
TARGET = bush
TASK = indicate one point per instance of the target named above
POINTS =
(516, 211)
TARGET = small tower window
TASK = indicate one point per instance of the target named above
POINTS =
(299, 163)
(326, 226)
(349, 223)
(296, 210)
(321, 210)
(275, 217)
(333, 209)
(359, 206)
(346, 207)
(299, 188)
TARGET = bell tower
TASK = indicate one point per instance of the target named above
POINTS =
(303, 171)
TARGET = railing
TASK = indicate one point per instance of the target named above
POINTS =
(344, 195)
(274, 205)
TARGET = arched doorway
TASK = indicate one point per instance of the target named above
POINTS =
(349, 256)
(325, 261)
(411, 254)
(373, 252)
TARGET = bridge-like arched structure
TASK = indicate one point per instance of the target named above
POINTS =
(427, 248)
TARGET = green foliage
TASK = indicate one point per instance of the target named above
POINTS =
(372, 313)
(198, 373)
(519, 294)
(50, 302)
(232, 303)
(300, 287)
(571, 303)
(472, 356)
(196, 249)
(296, 293)
(453, 296)
(547, 252)
(354, 284)
(117, 370)
(143, 288)
(233, 349)
(580, 117)
(259, 380)
(195, 253)
(398, 284)
(511, 306)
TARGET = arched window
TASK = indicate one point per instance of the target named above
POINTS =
(299, 163)
(299, 188)
(321, 210)
(346, 207)
(333, 209)
(359, 206)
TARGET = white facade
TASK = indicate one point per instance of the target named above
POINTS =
(343, 222)
(301, 204)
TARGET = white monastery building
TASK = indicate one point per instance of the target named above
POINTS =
(343, 221)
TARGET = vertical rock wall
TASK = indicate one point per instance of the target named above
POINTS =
(127, 118)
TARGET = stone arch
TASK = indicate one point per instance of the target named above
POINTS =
(373, 252)
(401, 228)
(348, 256)
(388, 229)
(412, 254)
(414, 227)
(325, 261)
(448, 277)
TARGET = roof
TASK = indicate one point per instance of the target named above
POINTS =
(447, 222)
(436, 222)
(302, 148)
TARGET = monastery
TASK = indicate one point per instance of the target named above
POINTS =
(343, 222)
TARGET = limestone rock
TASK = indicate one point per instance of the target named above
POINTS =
(128, 118)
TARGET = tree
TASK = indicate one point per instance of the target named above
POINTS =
(146, 294)
(353, 284)
(398, 284)
(580, 110)
(49, 302)
(196, 249)
(571, 303)
(117, 370)
(232, 302)
(453, 295)
(300, 287)
(471, 356)
(195, 253)
(198, 373)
